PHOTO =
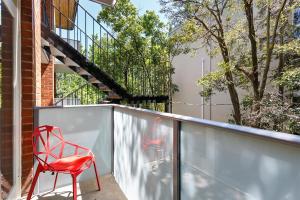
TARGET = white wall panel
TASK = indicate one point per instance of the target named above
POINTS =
(220, 164)
(143, 170)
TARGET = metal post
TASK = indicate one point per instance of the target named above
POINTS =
(112, 140)
(100, 38)
(107, 53)
(67, 18)
(176, 159)
(77, 41)
(86, 44)
(60, 18)
(93, 38)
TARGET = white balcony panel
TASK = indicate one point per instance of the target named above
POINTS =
(88, 126)
(143, 169)
(223, 164)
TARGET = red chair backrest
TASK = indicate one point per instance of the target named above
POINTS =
(48, 143)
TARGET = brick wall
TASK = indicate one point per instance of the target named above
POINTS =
(47, 83)
(31, 80)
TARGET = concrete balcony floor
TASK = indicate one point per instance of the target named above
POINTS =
(87, 191)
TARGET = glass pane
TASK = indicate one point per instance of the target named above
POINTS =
(223, 164)
(6, 101)
(88, 126)
(143, 155)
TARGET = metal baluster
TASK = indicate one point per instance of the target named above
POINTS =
(94, 96)
(107, 58)
(86, 94)
(52, 16)
(114, 64)
(67, 18)
(80, 40)
(86, 48)
(75, 97)
(93, 38)
(132, 83)
(81, 96)
(77, 45)
(60, 17)
(74, 38)
(100, 38)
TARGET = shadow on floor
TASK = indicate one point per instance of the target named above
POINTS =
(87, 191)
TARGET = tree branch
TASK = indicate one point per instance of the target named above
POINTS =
(270, 51)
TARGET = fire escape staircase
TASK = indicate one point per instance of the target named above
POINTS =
(67, 38)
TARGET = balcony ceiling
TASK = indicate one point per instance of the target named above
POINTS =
(68, 10)
(105, 2)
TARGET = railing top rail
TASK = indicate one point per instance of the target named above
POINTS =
(247, 131)
(111, 35)
(96, 21)
(69, 20)
(68, 95)
(77, 27)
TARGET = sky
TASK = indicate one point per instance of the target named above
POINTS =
(94, 8)
(142, 6)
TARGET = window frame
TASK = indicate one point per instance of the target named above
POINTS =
(14, 7)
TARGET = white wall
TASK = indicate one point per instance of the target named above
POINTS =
(189, 68)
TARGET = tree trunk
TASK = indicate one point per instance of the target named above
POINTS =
(234, 97)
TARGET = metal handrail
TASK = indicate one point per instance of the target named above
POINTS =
(137, 80)
(82, 95)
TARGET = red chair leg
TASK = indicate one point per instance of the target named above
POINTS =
(74, 176)
(54, 187)
(97, 178)
(37, 173)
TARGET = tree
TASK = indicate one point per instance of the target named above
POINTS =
(141, 49)
(245, 33)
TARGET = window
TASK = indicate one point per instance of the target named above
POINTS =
(6, 101)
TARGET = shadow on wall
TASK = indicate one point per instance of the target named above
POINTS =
(143, 156)
(87, 126)
(221, 165)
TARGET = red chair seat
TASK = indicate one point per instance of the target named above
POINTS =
(70, 163)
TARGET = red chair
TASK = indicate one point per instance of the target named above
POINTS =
(56, 155)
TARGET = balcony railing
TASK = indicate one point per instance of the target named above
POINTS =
(99, 46)
(157, 156)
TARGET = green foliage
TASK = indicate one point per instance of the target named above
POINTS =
(290, 78)
(249, 44)
(140, 58)
(66, 83)
(212, 81)
(292, 47)
(215, 81)
(276, 114)
(247, 102)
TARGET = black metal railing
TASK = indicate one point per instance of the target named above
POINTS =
(84, 95)
(85, 34)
